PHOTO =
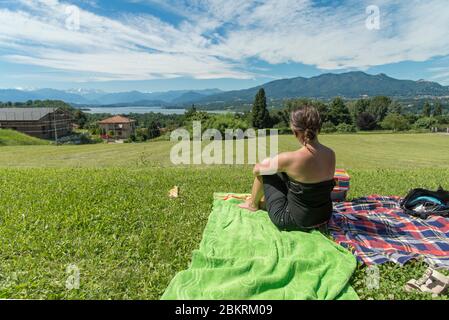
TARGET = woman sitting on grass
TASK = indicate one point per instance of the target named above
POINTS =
(298, 196)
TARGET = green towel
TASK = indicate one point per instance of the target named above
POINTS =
(244, 256)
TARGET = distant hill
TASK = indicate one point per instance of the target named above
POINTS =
(52, 94)
(122, 97)
(182, 96)
(15, 138)
(189, 97)
(14, 95)
(96, 97)
(325, 86)
(350, 85)
(140, 103)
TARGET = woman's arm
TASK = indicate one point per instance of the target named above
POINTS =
(272, 166)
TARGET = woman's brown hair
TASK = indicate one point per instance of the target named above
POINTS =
(306, 120)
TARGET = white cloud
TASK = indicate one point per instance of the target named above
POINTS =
(217, 37)
(136, 48)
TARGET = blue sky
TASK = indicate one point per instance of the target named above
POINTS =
(158, 45)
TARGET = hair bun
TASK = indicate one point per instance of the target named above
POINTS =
(306, 120)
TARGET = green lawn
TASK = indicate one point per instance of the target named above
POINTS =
(105, 209)
(14, 138)
(356, 151)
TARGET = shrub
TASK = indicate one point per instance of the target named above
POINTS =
(132, 138)
(425, 123)
(96, 139)
(328, 127)
(366, 121)
(284, 130)
(79, 138)
(346, 128)
(395, 122)
(225, 121)
(85, 139)
(141, 135)
(442, 119)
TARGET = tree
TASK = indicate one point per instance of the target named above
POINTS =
(141, 135)
(80, 118)
(201, 116)
(222, 122)
(427, 110)
(339, 112)
(411, 117)
(190, 112)
(395, 107)
(294, 104)
(323, 109)
(395, 122)
(153, 130)
(425, 123)
(438, 111)
(378, 107)
(366, 121)
(358, 108)
(260, 115)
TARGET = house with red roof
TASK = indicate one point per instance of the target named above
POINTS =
(117, 127)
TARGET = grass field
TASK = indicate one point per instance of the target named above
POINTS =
(15, 138)
(105, 209)
(359, 151)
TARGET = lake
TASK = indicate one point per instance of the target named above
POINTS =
(141, 110)
(128, 110)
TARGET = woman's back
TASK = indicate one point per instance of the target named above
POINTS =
(298, 196)
(312, 164)
(311, 181)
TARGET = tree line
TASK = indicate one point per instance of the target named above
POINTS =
(376, 113)
(338, 115)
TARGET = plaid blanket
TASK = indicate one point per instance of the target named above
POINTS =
(377, 230)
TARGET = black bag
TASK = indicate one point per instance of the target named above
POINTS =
(415, 205)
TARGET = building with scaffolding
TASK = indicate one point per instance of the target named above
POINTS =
(43, 123)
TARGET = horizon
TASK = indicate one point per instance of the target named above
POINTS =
(158, 46)
(74, 89)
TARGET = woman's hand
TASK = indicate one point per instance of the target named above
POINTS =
(266, 167)
(272, 166)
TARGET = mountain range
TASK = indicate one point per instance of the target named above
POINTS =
(325, 86)
(97, 97)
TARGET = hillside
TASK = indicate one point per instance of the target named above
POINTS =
(350, 85)
(325, 86)
(97, 97)
(14, 138)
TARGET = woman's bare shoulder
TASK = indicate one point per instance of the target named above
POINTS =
(328, 150)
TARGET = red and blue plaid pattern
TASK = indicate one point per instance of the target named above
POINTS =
(377, 230)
